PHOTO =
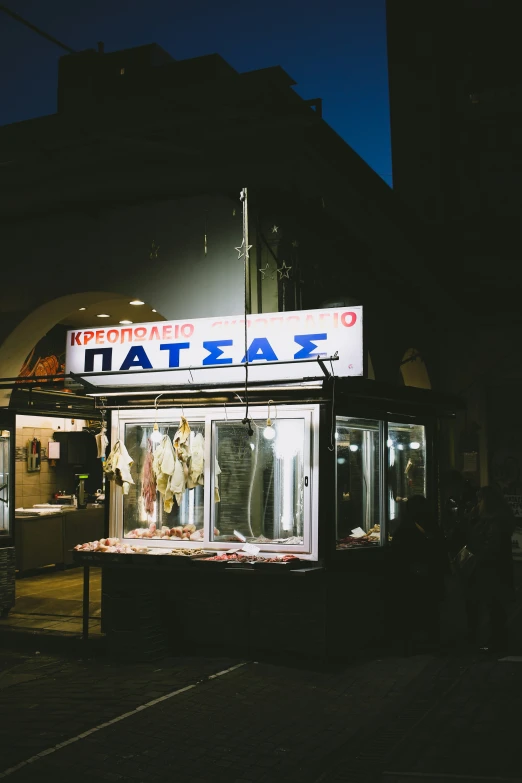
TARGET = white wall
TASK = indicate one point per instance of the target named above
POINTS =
(49, 422)
(39, 486)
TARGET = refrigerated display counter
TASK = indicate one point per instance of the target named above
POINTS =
(280, 523)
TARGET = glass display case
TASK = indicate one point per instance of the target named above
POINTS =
(406, 447)
(370, 491)
(203, 478)
(147, 511)
(358, 461)
(259, 481)
(200, 478)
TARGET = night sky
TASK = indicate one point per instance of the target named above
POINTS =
(333, 49)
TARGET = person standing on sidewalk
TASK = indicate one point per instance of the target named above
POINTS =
(418, 560)
(458, 498)
(490, 583)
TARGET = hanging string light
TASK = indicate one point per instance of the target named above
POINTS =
(269, 432)
(156, 434)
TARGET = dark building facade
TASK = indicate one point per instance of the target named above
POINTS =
(125, 206)
(455, 83)
(146, 152)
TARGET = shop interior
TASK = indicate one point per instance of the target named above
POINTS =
(59, 500)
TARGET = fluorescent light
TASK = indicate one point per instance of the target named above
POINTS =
(136, 302)
(103, 315)
(126, 322)
(82, 308)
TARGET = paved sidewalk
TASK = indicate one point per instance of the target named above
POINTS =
(254, 723)
(474, 731)
(422, 719)
(45, 700)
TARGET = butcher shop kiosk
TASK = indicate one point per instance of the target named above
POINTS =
(255, 479)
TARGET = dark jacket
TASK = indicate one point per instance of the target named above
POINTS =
(489, 538)
(418, 561)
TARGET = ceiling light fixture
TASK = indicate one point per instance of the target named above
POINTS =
(103, 315)
(136, 302)
(82, 308)
(154, 311)
(126, 322)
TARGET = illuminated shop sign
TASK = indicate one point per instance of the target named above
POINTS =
(204, 343)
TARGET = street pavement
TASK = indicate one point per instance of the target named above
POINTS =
(381, 719)
(450, 717)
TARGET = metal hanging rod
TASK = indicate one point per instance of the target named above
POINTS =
(145, 405)
(102, 391)
(316, 360)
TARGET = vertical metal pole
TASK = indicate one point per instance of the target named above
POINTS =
(383, 484)
(246, 250)
(86, 579)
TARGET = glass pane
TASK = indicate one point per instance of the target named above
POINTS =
(170, 508)
(406, 466)
(358, 520)
(5, 442)
(259, 481)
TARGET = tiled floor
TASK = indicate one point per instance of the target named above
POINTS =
(53, 602)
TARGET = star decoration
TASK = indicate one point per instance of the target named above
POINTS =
(265, 271)
(283, 271)
(275, 229)
(241, 249)
(295, 243)
(154, 250)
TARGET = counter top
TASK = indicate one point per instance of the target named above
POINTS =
(36, 513)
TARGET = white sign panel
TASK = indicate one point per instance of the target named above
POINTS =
(209, 350)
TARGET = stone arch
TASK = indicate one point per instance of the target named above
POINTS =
(27, 333)
(414, 371)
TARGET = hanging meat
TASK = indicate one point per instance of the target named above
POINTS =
(180, 476)
(197, 462)
(117, 466)
(164, 462)
(148, 482)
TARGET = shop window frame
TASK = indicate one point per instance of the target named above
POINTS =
(171, 416)
(346, 410)
(381, 434)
